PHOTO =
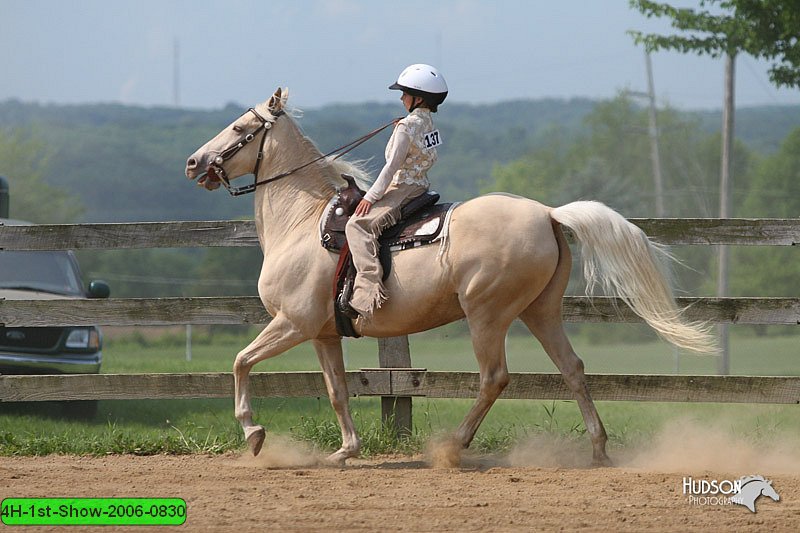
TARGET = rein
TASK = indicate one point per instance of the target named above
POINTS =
(266, 125)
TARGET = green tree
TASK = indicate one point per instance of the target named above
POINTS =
(762, 28)
(153, 272)
(536, 174)
(229, 272)
(600, 164)
(767, 29)
(24, 160)
(610, 162)
(774, 192)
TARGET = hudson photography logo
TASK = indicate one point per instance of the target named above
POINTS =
(743, 491)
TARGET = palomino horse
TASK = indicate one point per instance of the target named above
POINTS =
(506, 258)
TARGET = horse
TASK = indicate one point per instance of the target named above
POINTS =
(506, 257)
(752, 488)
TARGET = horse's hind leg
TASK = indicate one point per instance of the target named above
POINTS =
(276, 338)
(551, 334)
(488, 341)
(543, 318)
(329, 352)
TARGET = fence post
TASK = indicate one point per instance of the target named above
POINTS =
(188, 342)
(393, 352)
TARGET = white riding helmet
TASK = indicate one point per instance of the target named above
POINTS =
(425, 81)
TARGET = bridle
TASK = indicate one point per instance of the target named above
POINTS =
(232, 150)
(229, 152)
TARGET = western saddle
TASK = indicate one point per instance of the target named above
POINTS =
(421, 222)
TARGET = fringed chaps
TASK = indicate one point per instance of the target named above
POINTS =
(369, 293)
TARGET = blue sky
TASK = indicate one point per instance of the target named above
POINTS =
(327, 51)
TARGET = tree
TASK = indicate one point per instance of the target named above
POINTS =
(768, 29)
(24, 160)
(151, 272)
(763, 28)
(229, 272)
(610, 162)
(536, 174)
(774, 191)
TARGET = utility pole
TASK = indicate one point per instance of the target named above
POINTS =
(725, 178)
(652, 130)
(176, 74)
(439, 59)
(655, 157)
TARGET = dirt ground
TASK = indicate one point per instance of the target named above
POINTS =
(286, 491)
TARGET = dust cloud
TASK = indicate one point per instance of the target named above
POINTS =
(283, 452)
(684, 445)
(680, 446)
(443, 452)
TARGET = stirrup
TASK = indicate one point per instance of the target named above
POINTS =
(345, 308)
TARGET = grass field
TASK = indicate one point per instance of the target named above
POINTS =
(188, 426)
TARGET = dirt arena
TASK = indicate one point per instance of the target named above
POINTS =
(285, 490)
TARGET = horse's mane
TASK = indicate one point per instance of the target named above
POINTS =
(355, 169)
(341, 166)
(748, 479)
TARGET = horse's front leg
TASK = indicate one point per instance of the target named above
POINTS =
(329, 351)
(277, 337)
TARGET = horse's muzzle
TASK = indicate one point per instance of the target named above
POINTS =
(191, 168)
(213, 178)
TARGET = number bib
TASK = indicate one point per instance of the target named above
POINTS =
(432, 139)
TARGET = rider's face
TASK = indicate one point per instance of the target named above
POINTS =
(408, 100)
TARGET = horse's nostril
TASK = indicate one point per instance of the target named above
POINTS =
(191, 163)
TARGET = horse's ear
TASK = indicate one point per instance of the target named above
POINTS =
(278, 100)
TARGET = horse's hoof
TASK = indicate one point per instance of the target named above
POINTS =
(255, 440)
(336, 460)
(602, 462)
(339, 458)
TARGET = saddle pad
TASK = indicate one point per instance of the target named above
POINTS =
(423, 227)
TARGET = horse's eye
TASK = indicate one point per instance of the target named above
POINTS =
(237, 129)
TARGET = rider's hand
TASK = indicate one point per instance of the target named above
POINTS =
(363, 208)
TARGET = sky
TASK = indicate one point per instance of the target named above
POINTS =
(347, 51)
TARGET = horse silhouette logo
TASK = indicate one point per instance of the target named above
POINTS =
(752, 488)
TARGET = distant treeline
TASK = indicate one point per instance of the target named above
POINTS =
(124, 163)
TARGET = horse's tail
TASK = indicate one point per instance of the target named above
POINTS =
(619, 256)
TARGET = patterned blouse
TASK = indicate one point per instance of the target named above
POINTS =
(410, 153)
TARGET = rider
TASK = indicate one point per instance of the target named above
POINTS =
(410, 153)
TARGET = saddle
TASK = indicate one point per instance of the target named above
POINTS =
(421, 222)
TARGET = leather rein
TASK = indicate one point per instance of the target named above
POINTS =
(266, 125)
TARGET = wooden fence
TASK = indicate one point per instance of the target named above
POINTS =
(396, 382)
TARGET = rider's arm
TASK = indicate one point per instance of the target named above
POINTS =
(394, 161)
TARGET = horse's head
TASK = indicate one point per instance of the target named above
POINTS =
(769, 491)
(238, 149)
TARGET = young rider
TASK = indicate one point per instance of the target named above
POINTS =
(410, 153)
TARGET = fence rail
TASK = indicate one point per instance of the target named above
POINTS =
(249, 310)
(395, 385)
(403, 383)
(671, 231)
